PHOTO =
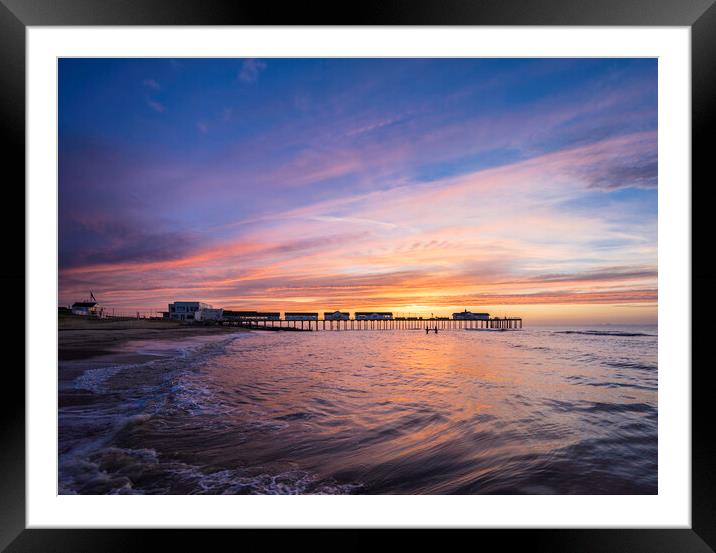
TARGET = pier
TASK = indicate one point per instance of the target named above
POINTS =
(496, 323)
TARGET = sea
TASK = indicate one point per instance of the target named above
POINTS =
(562, 410)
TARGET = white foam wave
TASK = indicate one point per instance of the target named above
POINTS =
(234, 482)
(115, 470)
(95, 380)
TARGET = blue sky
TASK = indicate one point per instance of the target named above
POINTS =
(244, 182)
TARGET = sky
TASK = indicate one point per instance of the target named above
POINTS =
(522, 187)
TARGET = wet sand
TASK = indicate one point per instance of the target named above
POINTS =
(83, 338)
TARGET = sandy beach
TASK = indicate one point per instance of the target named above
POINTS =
(82, 338)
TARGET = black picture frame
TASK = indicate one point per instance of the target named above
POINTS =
(16, 15)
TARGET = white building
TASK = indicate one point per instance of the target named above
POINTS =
(208, 314)
(186, 310)
(86, 308)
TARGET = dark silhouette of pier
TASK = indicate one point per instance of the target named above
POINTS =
(495, 323)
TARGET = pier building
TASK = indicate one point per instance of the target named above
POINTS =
(298, 316)
(468, 316)
(373, 315)
(336, 316)
(231, 315)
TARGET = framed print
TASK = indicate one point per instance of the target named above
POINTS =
(433, 270)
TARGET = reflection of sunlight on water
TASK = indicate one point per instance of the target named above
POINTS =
(535, 411)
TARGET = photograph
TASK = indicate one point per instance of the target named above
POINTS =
(363, 276)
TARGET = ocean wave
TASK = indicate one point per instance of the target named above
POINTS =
(123, 471)
(281, 414)
(165, 356)
(234, 482)
(192, 394)
(600, 407)
(95, 380)
(620, 333)
(630, 365)
(105, 470)
(128, 394)
(585, 381)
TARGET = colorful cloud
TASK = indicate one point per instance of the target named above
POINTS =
(412, 185)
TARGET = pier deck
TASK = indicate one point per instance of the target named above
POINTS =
(506, 323)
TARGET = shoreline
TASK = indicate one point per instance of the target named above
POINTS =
(80, 339)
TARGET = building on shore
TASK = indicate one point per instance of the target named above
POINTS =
(87, 309)
(336, 315)
(84, 308)
(209, 314)
(468, 316)
(186, 310)
(299, 316)
(373, 315)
